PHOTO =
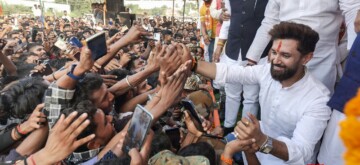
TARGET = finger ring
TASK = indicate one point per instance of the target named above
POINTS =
(245, 123)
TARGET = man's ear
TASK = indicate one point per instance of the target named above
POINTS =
(92, 145)
(307, 58)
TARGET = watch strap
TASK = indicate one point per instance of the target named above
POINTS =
(71, 74)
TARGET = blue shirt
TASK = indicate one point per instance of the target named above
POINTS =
(350, 82)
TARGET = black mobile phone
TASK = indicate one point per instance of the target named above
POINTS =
(97, 45)
(139, 126)
(189, 105)
(48, 70)
(212, 136)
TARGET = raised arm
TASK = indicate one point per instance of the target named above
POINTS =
(134, 35)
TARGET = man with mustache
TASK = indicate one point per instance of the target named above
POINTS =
(294, 114)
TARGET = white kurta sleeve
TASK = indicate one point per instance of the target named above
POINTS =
(239, 74)
(308, 132)
(350, 9)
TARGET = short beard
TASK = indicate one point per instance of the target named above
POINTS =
(282, 76)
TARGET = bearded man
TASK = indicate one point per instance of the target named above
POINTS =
(294, 114)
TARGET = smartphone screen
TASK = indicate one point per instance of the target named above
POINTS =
(75, 42)
(189, 105)
(61, 44)
(139, 126)
(157, 36)
(97, 45)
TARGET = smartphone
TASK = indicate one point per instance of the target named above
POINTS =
(139, 126)
(189, 105)
(75, 42)
(61, 44)
(48, 70)
(157, 36)
(174, 135)
(97, 45)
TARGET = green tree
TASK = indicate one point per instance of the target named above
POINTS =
(78, 7)
(16, 9)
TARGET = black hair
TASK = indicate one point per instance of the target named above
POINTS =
(88, 107)
(5, 80)
(22, 68)
(112, 32)
(306, 37)
(32, 45)
(161, 143)
(193, 39)
(20, 98)
(87, 86)
(124, 160)
(178, 35)
(57, 63)
(200, 148)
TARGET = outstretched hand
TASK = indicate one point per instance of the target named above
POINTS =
(134, 35)
(62, 139)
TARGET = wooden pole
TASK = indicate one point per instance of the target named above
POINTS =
(104, 12)
(173, 9)
(184, 12)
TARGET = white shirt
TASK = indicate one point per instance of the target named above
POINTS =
(37, 12)
(324, 16)
(66, 17)
(295, 115)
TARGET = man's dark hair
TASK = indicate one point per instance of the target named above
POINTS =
(200, 148)
(87, 86)
(124, 160)
(161, 143)
(32, 45)
(67, 25)
(5, 80)
(57, 63)
(193, 39)
(306, 37)
(21, 98)
(178, 35)
(167, 32)
(88, 107)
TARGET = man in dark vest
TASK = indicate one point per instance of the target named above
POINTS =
(239, 32)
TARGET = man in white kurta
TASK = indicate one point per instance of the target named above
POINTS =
(294, 113)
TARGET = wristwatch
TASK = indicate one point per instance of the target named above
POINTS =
(267, 146)
(71, 74)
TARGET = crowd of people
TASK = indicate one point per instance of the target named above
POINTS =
(277, 58)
